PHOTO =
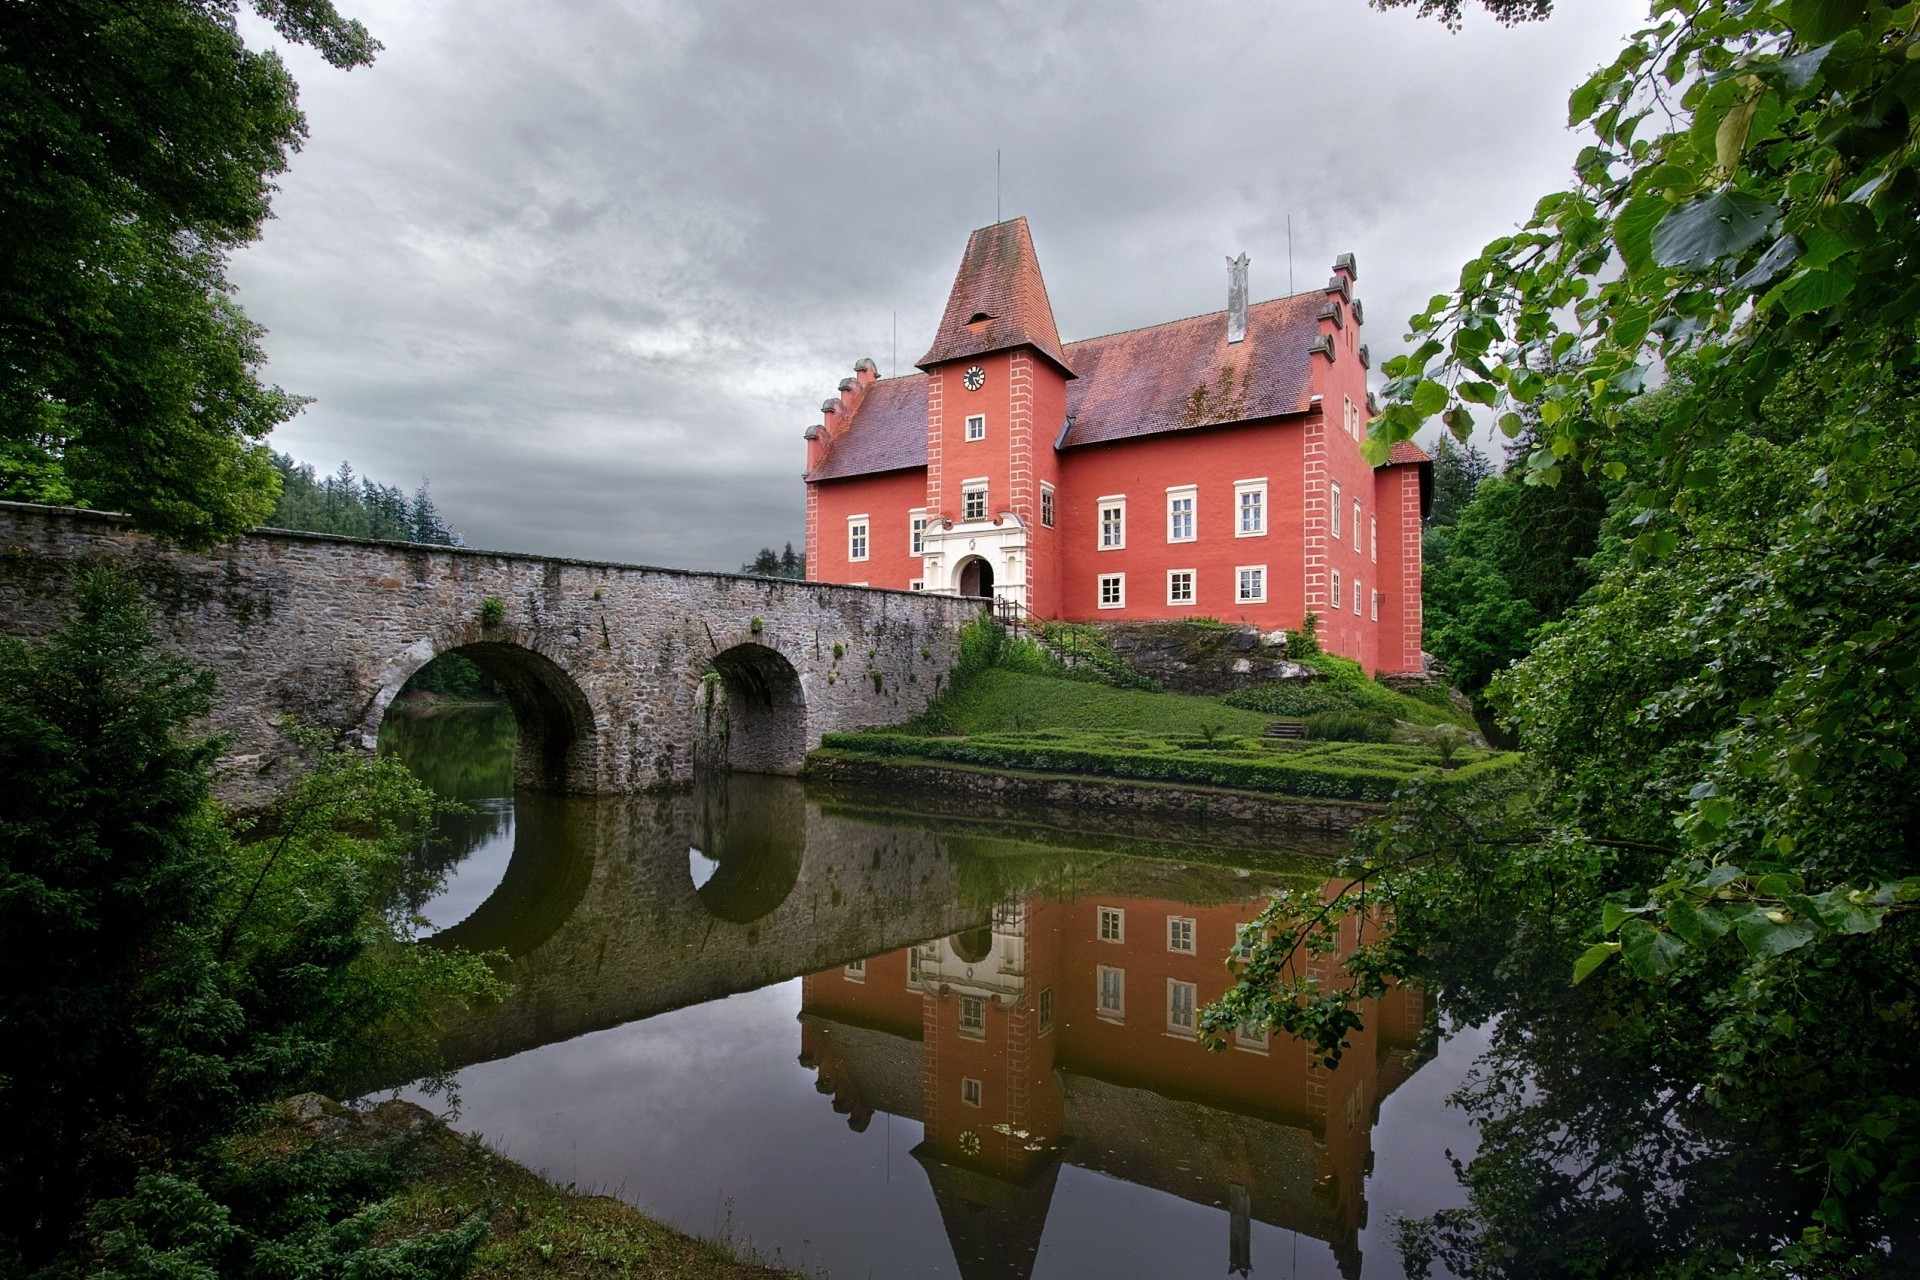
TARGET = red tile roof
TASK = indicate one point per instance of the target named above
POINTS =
(886, 432)
(1184, 374)
(1403, 452)
(999, 300)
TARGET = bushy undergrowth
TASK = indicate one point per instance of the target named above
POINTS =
(1349, 726)
(1338, 771)
(1346, 688)
(1086, 655)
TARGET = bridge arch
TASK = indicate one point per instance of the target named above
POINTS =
(753, 711)
(557, 728)
(752, 834)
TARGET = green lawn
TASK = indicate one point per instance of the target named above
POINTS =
(996, 701)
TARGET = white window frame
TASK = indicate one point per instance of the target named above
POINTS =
(1358, 596)
(1352, 418)
(1046, 505)
(976, 427)
(1043, 1011)
(1193, 590)
(978, 1029)
(1116, 503)
(1176, 988)
(855, 972)
(859, 538)
(1120, 587)
(1240, 584)
(1333, 596)
(1115, 916)
(1189, 494)
(1376, 606)
(1356, 526)
(1241, 489)
(916, 584)
(1373, 537)
(1118, 1011)
(1250, 1038)
(1334, 507)
(969, 487)
(971, 1091)
(917, 531)
(1179, 929)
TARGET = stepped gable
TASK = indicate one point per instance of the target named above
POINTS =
(1185, 374)
(886, 432)
(998, 301)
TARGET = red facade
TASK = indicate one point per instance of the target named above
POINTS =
(1207, 467)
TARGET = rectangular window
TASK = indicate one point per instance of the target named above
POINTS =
(1334, 597)
(1356, 597)
(973, 1017)
(1046, 1010)
(1180, 505)
(977, 427)
(917, 584)
(1180, 934)
(1352, 418)
(1250, 508)
(1180, 1006)
(916, 532)
(1113, 993)
(1179, 586)
(1356, 526)
(1373, 537)
(1252, 584)
(970, 1091)
(913, 965)
(1113, 590)
(1113, 523)
(1113, 924)
(1251, 1037)
(1335, 508)
(973, 500)
(1046, 505)
(856, 537)
(855, 972)
(1376, 606)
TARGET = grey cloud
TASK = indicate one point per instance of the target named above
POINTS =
(592, 267)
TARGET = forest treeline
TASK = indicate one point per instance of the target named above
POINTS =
(353, 506)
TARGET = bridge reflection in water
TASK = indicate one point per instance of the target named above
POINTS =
(993, 1012)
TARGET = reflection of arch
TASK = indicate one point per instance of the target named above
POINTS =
(760, 723)
(553, 851)
(756, 829)
(975, 577)
(973, 945)
(555, 746)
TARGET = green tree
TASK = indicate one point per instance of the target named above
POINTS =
(141, 140)
(769, 563)
(1458, 470)
(167, 972)
(355, 507)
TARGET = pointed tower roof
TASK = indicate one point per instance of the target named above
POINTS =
(999, 300)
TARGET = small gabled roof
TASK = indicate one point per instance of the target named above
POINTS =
(887, 431)
(998, 301)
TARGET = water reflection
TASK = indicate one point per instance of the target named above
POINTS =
(992, 1072)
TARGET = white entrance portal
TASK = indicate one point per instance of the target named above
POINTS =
(977, 557)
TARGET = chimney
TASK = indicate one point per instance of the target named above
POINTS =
(1237, 298)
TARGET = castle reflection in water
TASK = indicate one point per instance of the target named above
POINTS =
(1064, 1033)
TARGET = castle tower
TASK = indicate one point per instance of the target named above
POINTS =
(996, 400)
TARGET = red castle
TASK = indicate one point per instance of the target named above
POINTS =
(1206, 467)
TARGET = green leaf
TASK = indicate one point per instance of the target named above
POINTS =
(1816, 21)
(1811, 291)
(1613, 915)
(1511, 425)
(1429, 398)
(1764, 937)
(1716, 226)
(1651, 952)
(1633, 231)
(1592, 958)
(1479, 392)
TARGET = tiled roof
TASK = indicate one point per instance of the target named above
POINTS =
(1183, 374)
(1403, 452)
(999, 280)
(887, 431)
(1168, 377)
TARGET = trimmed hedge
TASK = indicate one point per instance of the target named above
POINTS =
(1280, 774)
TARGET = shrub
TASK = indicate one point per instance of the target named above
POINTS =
(493, 611)
(1349, 726)
(1304, 642)
(1085, 654)
(1292, 698)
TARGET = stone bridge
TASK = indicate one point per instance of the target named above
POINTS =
(621, 677)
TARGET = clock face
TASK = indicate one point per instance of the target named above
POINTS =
(976, 378)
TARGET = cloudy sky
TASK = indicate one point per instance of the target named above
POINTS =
(592, 265)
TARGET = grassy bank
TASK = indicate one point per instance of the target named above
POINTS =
(535, 1228)
(997, 701)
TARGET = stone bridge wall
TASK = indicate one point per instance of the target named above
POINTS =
(604, 662)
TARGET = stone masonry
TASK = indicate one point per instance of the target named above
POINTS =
(606, 664)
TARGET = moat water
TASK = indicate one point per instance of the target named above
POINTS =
(861, 1042)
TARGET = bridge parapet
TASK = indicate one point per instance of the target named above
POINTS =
(606, 664)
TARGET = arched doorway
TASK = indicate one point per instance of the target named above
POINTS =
(753, 712)
(976, 578)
